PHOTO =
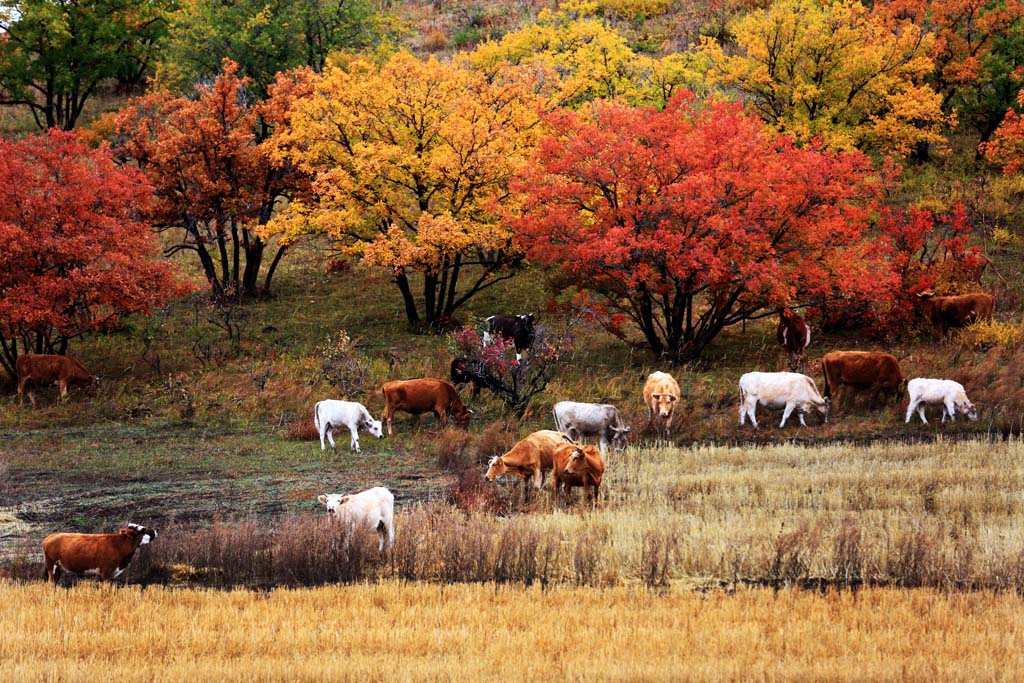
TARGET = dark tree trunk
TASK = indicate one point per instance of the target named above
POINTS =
(402, 280)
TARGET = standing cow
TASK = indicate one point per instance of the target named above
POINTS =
(786, 390)
(794, 336)
(372, 509)
(871, 371)
(329, 414)
(575, 465)
(945, 392)
(591, 419)
(425, 395)
(43, 369)
(945, 312)
(102, 555)
(661, 394)
(518, 328)
(529, 459)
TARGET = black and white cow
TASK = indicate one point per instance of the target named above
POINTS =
(602, 420)
(518, 328)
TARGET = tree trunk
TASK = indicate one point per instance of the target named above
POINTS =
(273, 269)
(402, 280)
(253, 261)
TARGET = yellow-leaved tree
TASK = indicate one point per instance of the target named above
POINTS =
(410, 159)
(835, 70)
(586, 59)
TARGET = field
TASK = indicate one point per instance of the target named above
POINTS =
(417, 632)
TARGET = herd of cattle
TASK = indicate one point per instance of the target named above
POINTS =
(559, 451)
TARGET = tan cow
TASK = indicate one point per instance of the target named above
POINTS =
(576, 465)
(426, 395)
(102, 555)
(661, 394)
(529, 459)
(43, 369)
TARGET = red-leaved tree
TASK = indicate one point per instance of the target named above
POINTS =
(76, 253)
(693, 218)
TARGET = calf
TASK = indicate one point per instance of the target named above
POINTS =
(945, 312)
(794, 336)
(103, 555)
(945, 392)
(529, 459)
(661, 394)
(372, 509)
(787, 390)
(42, 369)
(576, 465)
(871, 371)
(330, 414)
(518, 328)
(418, 396)
(577, 420)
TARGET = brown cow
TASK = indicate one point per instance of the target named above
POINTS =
(576, 465)
(529, 459)
(44, 369)
(872, 371)
(794, 336)
(661, 394)
(103, 555)
(956, 311)
(419, 396)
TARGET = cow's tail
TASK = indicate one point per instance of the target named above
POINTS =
(824, 374)
(316, 415)
(554, 414)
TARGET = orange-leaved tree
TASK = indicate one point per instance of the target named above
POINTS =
(835, 70)
(684, 221)
(410, 159)
(214, 179)
(77, 252)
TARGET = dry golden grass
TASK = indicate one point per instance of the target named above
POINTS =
(423, 632)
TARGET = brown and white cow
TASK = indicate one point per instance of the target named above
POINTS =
(871, 371)
(945, 312)
(794, 336)
(661, 394)
(427, 395)
(529, 459)
(43, 369)
(102, 555)
(576, 465)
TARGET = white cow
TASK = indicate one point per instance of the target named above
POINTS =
(330, 414)
(945, 392)
(788, 390)
(371, 509)
(591, 419)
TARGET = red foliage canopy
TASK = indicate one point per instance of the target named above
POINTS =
(77, 253)
(687, 220)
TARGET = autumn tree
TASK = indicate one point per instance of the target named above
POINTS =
(77, 253)
(684, 221)
(215, 182)
(54, 54)
(263, 38)
(410, 160)
(835, 70)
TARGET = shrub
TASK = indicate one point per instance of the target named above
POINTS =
(341, 366)
(986, 334)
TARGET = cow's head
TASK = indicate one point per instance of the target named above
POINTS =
(334, 502)
(462, 414)
(495, 468)
(967, 408)
(824, 408)
(374, 427)
(138, 532)
(619, 437)
(664, 403)
(577, 460)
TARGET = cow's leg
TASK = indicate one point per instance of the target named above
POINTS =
(950, 408)
(329, 428)
(353, 443)
(63, 384)
(21, 390)
(800, 414)
(386, 418)
(743, 412)
(920, 412)
(751, 406)
(32, 398)
(787, 411)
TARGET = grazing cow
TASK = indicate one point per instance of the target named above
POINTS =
(464, 372)
(661, 394)
(794, 336)
(577, 420)
(330, 414)
(873, 371)
(576, 465)
(529, 459)
(787, 390)
(103, 555)
(417, 396)
(945, 312)
(372, 509)
(945, 392)
(518, 328)
(43, 369)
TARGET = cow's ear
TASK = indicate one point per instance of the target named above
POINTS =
(343, 500)
(322, 498)
(125, 532)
